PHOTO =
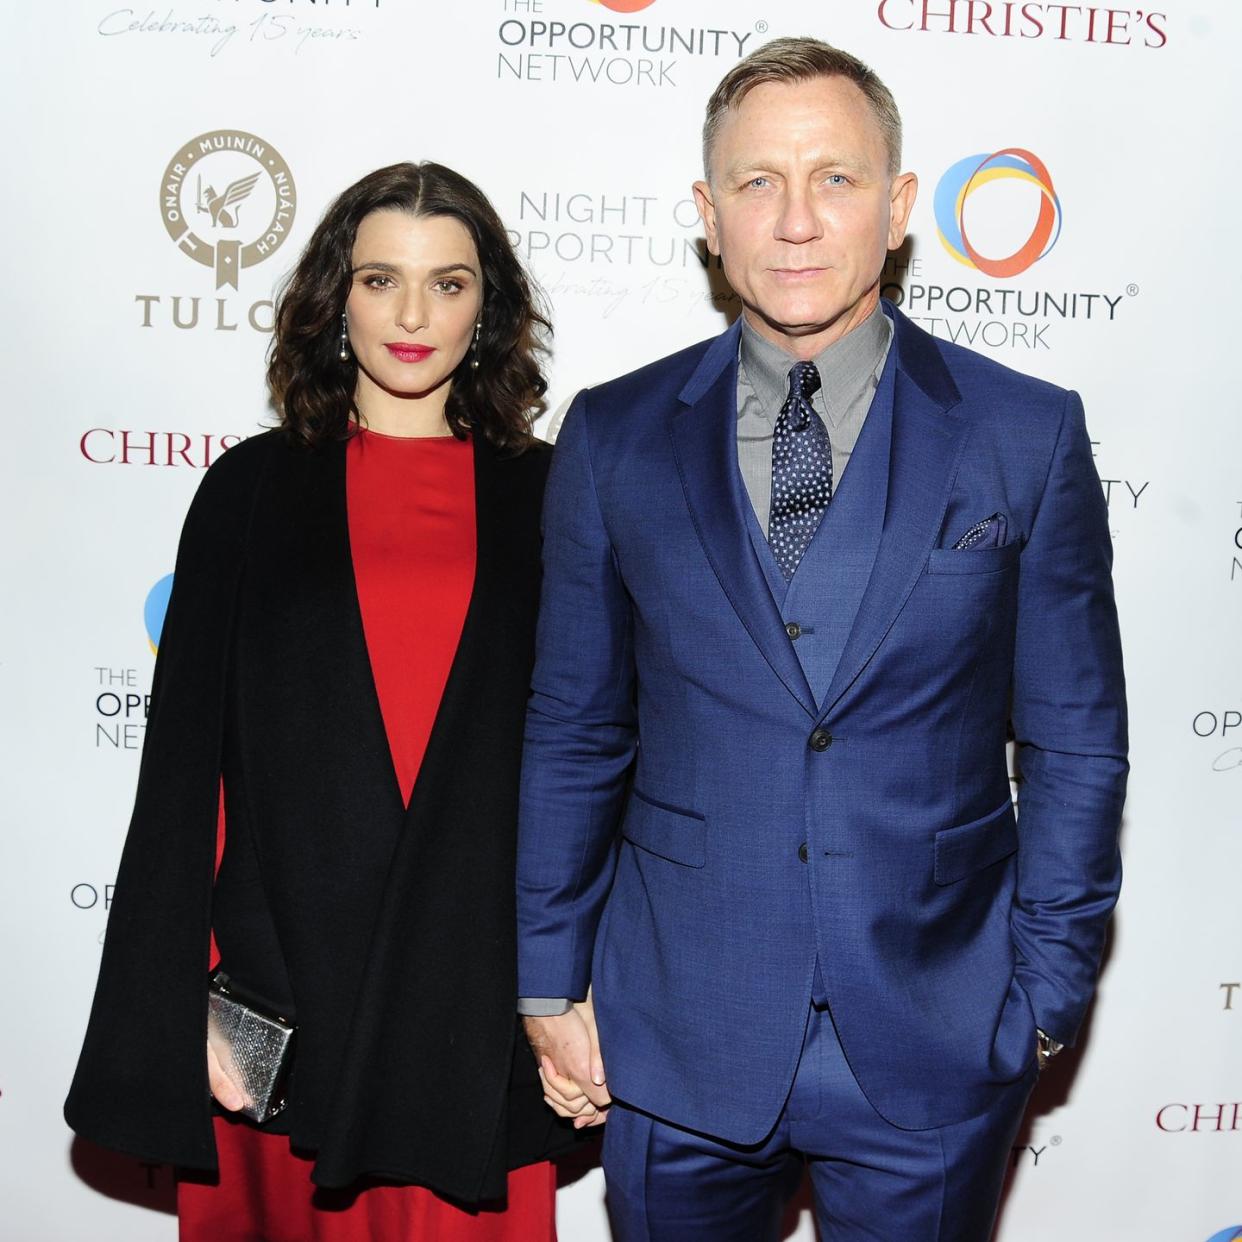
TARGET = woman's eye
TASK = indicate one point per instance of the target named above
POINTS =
(449, 286)
(378, 282)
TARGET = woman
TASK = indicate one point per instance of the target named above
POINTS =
(346, 654)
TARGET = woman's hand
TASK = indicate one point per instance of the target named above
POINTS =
(570, 1065)
(223, 1089)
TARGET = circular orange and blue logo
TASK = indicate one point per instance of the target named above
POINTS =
(972, 173)
(154, 608)
(625, 6)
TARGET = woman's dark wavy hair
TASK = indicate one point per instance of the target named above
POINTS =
(313, 389)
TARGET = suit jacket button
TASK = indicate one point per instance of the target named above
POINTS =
(802, 852)
(820, 740)
(793, 629)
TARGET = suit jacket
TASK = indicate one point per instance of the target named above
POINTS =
(700, 824)
(396, 928)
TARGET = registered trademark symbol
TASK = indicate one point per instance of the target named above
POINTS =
(1132, 290)
(761, 27)
(1055, 1140)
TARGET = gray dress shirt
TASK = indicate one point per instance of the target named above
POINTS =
(849, 371)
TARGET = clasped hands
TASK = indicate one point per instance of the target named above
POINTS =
(570, 1065)
(566, 1048)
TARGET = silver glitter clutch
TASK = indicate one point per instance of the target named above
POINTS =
(253, 1044)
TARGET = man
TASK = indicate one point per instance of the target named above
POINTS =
(798, 581)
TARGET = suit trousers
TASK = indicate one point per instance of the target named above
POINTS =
(870, 1180)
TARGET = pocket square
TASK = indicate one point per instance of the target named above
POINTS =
(989, 533)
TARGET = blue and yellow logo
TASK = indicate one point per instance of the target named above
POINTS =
(968, 175)
(1232, 1234)
(154, 609)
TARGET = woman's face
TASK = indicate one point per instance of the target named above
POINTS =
(415, 296)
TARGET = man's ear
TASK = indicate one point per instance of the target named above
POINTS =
(904, 190)
(707, 213)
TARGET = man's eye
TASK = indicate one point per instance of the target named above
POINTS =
(758, 183)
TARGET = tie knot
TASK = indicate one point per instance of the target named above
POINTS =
(803, 380)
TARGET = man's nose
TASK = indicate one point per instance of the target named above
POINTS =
(798, 220)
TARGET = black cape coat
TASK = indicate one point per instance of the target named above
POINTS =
(396, 927)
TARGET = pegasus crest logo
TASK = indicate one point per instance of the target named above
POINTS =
(222, 208)
(247, 220)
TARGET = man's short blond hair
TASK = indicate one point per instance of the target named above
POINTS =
(800, 60)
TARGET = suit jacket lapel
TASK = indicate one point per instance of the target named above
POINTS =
(704, 432)
(927, 442)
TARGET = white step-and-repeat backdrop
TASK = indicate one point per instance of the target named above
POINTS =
(1093, 249)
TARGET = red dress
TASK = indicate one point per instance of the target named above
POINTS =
(412, 538)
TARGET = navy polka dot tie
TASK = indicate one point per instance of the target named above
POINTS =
(801, 471)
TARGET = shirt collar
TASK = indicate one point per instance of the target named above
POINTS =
(844, 365)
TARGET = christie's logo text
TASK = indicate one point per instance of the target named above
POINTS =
(1016, 19)
(113, 446)
(1200, 1118)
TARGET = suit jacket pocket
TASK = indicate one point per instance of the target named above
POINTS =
(973, 560)
(967, 848)
(677, 835)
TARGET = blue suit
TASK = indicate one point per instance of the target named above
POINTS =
(720, 822)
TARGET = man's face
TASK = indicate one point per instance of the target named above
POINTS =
(802, 210)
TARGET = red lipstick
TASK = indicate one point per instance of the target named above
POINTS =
(403, 351)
